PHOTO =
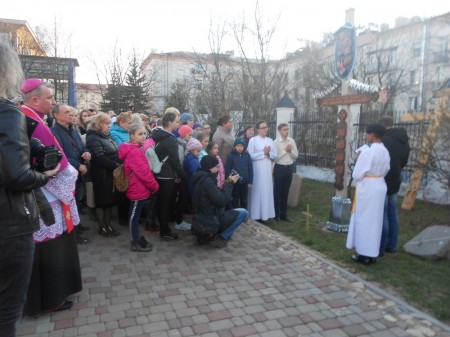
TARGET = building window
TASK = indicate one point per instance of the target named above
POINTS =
(443, 48)
(416, 49)
(413, 103)
(390, 80)
(198, 84)
(370, 80)
(439, 75)
(413, 78)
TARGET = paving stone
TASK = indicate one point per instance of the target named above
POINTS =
(263, 284)
(242, 331)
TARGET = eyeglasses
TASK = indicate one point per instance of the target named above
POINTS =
(264, 127)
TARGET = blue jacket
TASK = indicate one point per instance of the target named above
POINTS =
(242, 163)
(70, 141)
(190, 166)
(118, 134)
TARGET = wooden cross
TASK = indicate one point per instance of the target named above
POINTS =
(308, 216)
(440, 109)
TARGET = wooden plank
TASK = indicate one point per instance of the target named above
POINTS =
(428, 143)
(347, 99)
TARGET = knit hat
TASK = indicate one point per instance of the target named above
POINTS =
(193, 144)
(185, 117)
(30, 84)
(208, 162)
(197, 125)
(240, 140)
(184, 130)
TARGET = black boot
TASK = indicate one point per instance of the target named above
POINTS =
(103, 231)
(112, 231)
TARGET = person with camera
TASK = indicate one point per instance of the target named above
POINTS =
(239, 161)
(209, 201)
(77, 154)
(56, 270)
(17, 182)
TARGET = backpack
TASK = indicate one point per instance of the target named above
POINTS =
(153, 160)
(121, 180)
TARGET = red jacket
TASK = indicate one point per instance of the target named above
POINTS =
(142, 181)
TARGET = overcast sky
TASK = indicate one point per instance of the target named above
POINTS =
(174, 25)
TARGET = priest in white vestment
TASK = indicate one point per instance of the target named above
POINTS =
(366, 222)
(262, 150)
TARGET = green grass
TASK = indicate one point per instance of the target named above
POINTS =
(421, 283)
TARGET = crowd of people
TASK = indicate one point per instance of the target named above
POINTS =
(200, 173)
(213, 176)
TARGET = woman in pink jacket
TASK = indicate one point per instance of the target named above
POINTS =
(142, 183)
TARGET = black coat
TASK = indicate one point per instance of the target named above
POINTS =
(396, 142)
(19, 214)
(212, 199)
(104, 161)
(70, 141)
(166, 145)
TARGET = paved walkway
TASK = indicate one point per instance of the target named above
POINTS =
(262, 284)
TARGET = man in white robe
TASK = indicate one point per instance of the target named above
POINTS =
(262, 150)
(366, 223)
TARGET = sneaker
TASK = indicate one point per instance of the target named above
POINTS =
(82, 240)
(184, 226)
(144, 243)
(136, 247)
(218, 242)
(169, 236)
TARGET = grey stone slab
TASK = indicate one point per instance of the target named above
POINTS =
(432, 243)
(295, 190)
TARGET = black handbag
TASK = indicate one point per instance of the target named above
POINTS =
(206, 224)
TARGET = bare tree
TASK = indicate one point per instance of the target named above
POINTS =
(56, 41)
(114, 71)
(262, 81)
(215, 77)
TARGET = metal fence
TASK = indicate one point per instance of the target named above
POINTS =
(416, 132)
(315, 136)
(272, 133)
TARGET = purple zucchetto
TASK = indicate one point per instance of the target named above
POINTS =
(30, 84)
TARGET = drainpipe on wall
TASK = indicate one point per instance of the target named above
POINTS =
(423, 65)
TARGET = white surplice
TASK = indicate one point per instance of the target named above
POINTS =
(366, 222)
(262, 206)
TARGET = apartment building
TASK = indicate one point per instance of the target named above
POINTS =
(59, 72)
(411, 60)
(90, 96)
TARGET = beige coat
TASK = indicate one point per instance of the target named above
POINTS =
(225, 140)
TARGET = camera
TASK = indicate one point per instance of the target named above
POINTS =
(233, 173)
(47, 157)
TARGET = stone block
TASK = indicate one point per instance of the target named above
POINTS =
(294, 190)
(432, 243)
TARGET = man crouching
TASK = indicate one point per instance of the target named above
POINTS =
(210, 222)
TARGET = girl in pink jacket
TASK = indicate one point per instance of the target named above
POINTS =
(142, 183)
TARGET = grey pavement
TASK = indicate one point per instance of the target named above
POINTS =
(262, 284)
